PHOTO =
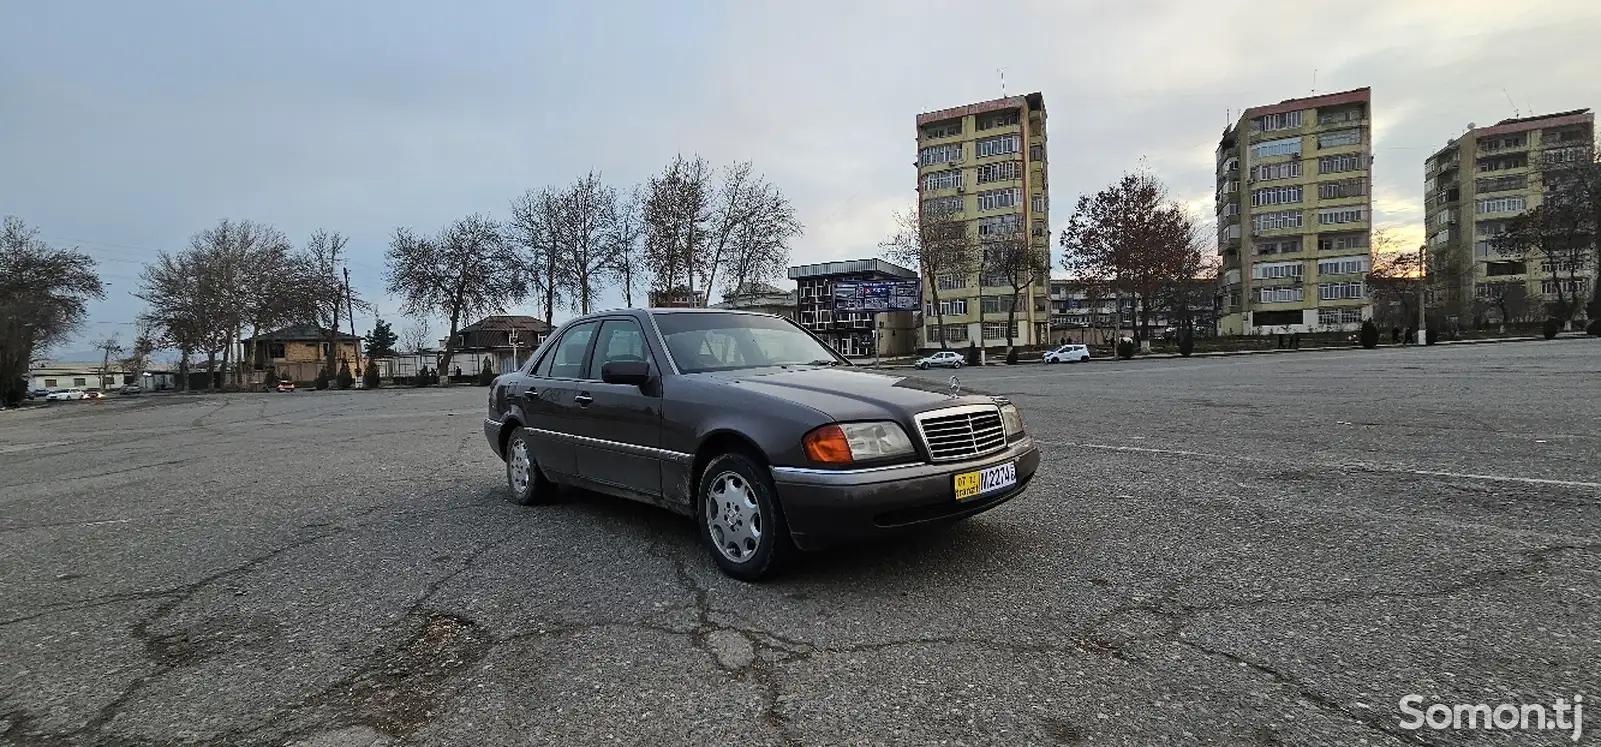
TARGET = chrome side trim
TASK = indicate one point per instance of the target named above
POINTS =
(645, 451)
(856, 471)
(662, 341)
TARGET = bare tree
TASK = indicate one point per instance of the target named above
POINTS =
(144, 346)
(587, 213)
(109, 348)
(677, 206)
(625, 248)
(320, 292)
(1558, 235)
(535, 225)
(44, 294)
(940, 247)
(1131, 236)
(467, 270)
(414, 338)
(1010, 256)
(1395, 281)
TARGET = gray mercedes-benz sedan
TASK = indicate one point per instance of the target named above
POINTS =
(751, 425)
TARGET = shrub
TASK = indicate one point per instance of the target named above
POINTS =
(1369, 335)
(321, 381)
(1125, 348)
(369, 377)
(486, 375)
(1186, 343)
(345, 380)
(1011, 356)
(1551, 327)
(421, 378)
(271, 380)
(1594, 328)
(972, 354)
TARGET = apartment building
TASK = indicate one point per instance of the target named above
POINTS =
(1295, 215)
(1473, 186)
(985, 164)
(1082, 312)
(857, 334)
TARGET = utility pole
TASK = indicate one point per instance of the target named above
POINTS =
(350, 312)
(1423, 293)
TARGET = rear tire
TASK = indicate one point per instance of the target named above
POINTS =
(740, 520)
(958, 365)
(528, 485)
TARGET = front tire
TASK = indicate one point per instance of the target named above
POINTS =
(527, 483)
(740, 519)
(922, 366)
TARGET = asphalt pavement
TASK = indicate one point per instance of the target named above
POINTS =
(1267, 550)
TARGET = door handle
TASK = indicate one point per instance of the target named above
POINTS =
(583, 399)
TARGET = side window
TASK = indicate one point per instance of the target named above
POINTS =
(566, 359)
(620, 340)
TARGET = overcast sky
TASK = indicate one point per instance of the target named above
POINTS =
(127, 127)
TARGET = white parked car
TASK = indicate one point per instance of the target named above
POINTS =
(1068, 354)
(942, 359)
(62, 395)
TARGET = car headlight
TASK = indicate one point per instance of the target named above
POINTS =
(846, 443)
(1012, 421)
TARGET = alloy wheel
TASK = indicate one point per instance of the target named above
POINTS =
(733, 517)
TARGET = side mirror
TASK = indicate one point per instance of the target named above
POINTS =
(633, 373)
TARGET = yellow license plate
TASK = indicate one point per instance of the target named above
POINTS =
(966, 485)
(987, 480)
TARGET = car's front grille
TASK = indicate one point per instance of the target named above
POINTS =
(962, 432)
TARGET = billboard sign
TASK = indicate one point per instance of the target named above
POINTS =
(878, 295)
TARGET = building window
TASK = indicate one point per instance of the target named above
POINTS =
(953, 307)
(1349, 114)
(997, 304)
(1342, 188)
(1490, 227)
(1336, 242)
(994, 330)
(1000, 225)
(1339, 164)
(943, 205)
(996, 199)
(953, 332)
(995, 172)
(1041, 229)
(1353, 290)
(1036, 152)
(1493, 144)
(1271, 171)
(1565, 155)
(1282, 246)
(1285, 147)
(1280, 121)
(944, 129)
(1337, 216)
(1337, 139)
(1570, 266)
(1518, 161)
(1280, 295)
(951, 179)
(1280, 219)
(952, 282)
(1275, 196)
(50, 383)
(1277, 270)
(996, 146)
(1229, 209)
(1343, 315)
(1501, 205)
(80, 382)
(1342, 266)
(1570, 286)
(950, 153)
(1502, 183)
(998, 119)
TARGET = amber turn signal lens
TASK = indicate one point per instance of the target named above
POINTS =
(827, 445)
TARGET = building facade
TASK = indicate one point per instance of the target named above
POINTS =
(1472, 188)
(759, 296)
(985, 164)
(1295, 216)
(1090, 313)
(299, 352)
(679, 297)
(857, 334)
(502, 342)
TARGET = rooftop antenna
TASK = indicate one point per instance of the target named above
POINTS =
(1314, 80)
(1515, 111)
(1002, 71)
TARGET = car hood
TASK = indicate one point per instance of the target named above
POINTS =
(846, 394)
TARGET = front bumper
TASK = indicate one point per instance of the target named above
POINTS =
(826, 507)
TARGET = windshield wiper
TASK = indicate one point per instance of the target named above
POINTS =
(828, 362)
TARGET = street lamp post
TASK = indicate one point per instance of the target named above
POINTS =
(1423, 288)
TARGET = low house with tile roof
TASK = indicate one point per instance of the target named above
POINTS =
(504, 340)
(298, 351)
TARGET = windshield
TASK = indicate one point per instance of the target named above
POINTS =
(724, 342)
